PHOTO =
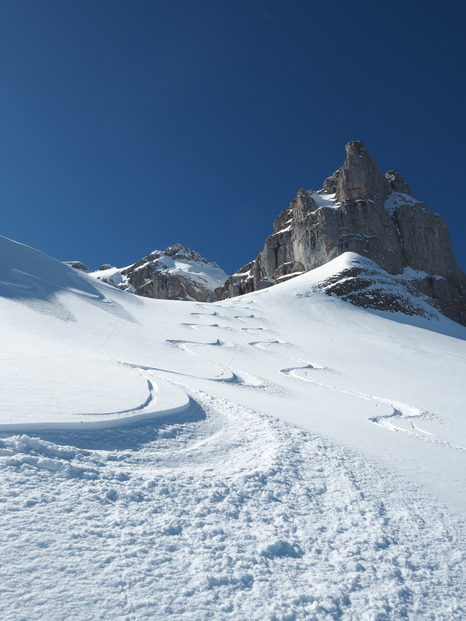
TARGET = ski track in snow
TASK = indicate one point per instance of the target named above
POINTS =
(139, 408)
(218, 513)
(221, 512)
(402, 412)
(227, 372)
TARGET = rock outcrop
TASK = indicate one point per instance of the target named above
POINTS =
(77, 265)
(362, 282)
(362, 211)
(177, 273)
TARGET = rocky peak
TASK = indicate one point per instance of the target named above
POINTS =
(177, 273)
(362, 211)
(177, 251)
(359, 179)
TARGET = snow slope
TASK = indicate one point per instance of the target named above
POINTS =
(297, 457)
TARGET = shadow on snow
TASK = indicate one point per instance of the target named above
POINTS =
(128, 437)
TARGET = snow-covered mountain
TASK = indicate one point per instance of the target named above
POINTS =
(176, 273)
(279, 455)
(360, 210)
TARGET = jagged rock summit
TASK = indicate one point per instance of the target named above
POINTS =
(362, 211)
(176, 273)
(359, 179)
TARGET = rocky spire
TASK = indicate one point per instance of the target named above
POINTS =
(359, 179)
(360, 210)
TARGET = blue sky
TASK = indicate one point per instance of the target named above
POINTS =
(128, 126)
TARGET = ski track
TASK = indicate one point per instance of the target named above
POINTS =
(139, 408)
(264, 345)
(220, 513)
(227, 372)
(401, 412)
(233, 376)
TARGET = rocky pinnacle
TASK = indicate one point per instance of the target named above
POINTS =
(359, 179)
(363, 211)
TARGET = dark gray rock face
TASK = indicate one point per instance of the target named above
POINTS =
(363, 211)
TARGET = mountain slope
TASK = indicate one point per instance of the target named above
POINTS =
(317, 470)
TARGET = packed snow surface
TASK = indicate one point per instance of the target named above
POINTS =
(281, 455)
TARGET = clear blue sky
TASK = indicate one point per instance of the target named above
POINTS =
(127, 126)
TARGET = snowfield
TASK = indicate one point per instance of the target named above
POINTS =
(280, 456)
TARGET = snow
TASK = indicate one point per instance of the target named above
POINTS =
(298, 457)
(247, 274)
(322, 199)
(112, 275)
(285, 230)
(396, 199)
(410, 274)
